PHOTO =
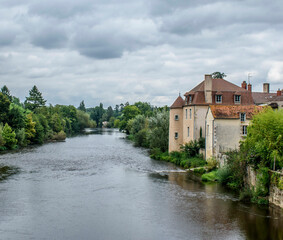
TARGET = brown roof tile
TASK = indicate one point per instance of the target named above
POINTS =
(179, 103)
(233, 112)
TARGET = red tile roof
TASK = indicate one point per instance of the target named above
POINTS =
(226, 89)
(179, 103)
(233, 112)
(218, 84)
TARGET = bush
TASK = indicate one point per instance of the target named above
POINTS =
(140, 138)
(210, 177)
(61, 136)
(9, 137)
(191, 149)
(224, 175)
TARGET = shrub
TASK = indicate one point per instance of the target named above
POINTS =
(191, 149)
(9, 136)
(61, 136)
(212, 163)
(200, 171)
(224, 175)
(140, 138)
(209, 177)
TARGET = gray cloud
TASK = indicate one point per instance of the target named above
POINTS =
(148, 50)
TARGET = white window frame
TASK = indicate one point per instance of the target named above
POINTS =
(235, 100)
(243, 117)
(244, 130)
(216, 100)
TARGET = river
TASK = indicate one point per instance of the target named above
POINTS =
(98, 186)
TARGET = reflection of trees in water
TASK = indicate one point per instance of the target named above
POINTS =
(217, 210)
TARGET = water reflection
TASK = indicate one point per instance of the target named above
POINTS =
(98, 186)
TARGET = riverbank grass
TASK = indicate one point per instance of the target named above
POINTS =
(178, 158)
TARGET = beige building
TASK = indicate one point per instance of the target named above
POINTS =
(187, 116)
(225, 127)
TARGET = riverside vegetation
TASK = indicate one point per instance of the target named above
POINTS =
(262, 150)
(32, 122)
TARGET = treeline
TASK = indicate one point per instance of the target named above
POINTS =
(32, 122)
(146, 125)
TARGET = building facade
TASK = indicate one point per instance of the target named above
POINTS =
(225, 127)
(187, 115)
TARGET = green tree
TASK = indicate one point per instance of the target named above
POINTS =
(5, 90)
(4, 108)
(9, 136)
(17, 117)
(218, 75)
(264, 141)
(159, 131)
(29, 128)
(130, 111)
(82, 106)
(34, 100)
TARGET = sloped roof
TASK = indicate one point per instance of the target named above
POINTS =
(233, 112)
(218, 84)
(260, 97)
(179, 103)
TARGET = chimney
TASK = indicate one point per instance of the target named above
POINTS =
(244, 84)
(266, 87)
(249, 87)
(279, 92)
(208, 88)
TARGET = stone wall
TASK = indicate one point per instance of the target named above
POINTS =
(275, 193)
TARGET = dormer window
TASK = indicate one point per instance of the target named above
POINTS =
(243, 117)
(176, 117)
(190, 99)
(237, 99)
(218, 98)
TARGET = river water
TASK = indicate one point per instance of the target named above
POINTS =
(98, 186)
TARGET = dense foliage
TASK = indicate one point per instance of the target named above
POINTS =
(32, 122)
(264, 142)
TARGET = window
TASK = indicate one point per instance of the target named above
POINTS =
(186, 113)
(237, 99)
(190, 113)
(188, 131)
(190, 99)
(243, 117)
(245, 130)
(176, 135)
(218, 99)
(176, 117)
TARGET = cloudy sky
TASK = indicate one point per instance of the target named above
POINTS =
(116, 51)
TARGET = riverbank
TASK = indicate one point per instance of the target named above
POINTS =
(69, 190)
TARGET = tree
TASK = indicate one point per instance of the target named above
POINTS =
(34, 100)
(218, 75)
(9, 136)
(159, 131)
(6, 92)
(130, 112)
(29, 128)
(82, 106)
(264, 141)
(109, 112)
(17, 116)
(4, 108)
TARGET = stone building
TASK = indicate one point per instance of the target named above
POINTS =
(226, 126)
(187, 116)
